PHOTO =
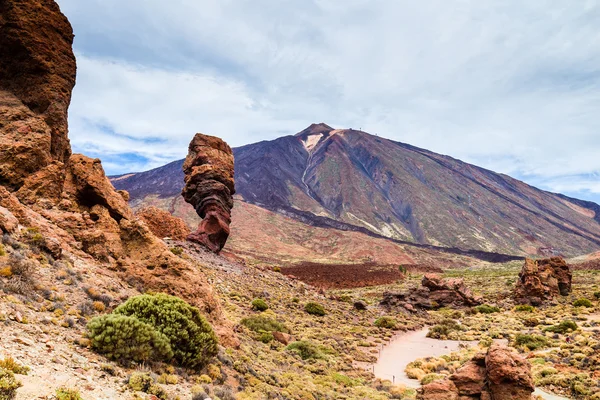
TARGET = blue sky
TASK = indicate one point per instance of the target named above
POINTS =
(508, 85)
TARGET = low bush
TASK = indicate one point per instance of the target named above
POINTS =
(8, 384)
(385, 322)
(597, 295)
(583, 302)
(563, 327)
(525, 308)
(305, 349)
(64, 393)
(486, 309)
(314, 309)
(260, 324)
(10, 364)
(259, 305)
(191, 337)
(123, 338)
(531, 342)
(444, 328)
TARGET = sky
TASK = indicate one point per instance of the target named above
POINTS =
(508, 85)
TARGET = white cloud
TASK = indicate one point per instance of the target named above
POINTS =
(512, 86)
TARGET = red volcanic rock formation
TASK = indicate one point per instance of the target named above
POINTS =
(541, 280)
(434, 293)
(67, 197)
(501, 374)
(209, 188)
(37, 75)
(163, 224)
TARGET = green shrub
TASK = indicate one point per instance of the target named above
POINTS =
(597, 295)
(385, 322)
(276, 269)
(314, 309)
(124, 338)
(531, 342)
(305, 350)
(260, 324)
(10, 364)
(444, 328)
(140, 381)
(427, 379)
(563, 327)
(259, 305)
(266, 337)
(176, 250)
(583, 303)
(191, 337)
(487, 309)
(64, 393)
(525, 308)
(8, 384)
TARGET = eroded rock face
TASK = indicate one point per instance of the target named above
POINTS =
(434, 293)
(499, 374)
(68, 197)
(209, 188)
(541, 280)
(163, 224)
(37, 75)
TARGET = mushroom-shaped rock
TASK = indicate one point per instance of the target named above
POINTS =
(209, 188)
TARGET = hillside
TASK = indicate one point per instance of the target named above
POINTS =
(352, 180)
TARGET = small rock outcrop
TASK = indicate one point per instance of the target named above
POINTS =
(499, 374)
(163, 224)
(209, 188)
(541, 280)
(434, 293)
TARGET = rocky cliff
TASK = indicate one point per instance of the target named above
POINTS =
(64, 196)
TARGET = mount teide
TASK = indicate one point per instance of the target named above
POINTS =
(351, 180)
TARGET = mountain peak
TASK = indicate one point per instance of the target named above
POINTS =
(314, 129)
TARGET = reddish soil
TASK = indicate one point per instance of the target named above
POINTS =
(343, 276)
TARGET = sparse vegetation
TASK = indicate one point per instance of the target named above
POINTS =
(259, 305)
(486, 309)
(563, 327)
(64, 393)
(124, 338)
(531, 342)
(10, 364)
(386, 322)
(260, 324)
(8, 384)
(583, 302)
(525, 308)
(305, 349)
(314, 309)
(190, 336)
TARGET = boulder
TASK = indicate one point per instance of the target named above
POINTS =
(163, 224)
(283, 338)
(209, 188)
(8, 222)
(499, 374)
(435, 292)
(508, 374)
(541, 280)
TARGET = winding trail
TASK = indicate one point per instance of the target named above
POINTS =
(408, 346)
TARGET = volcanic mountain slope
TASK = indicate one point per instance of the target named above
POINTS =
(352, 180)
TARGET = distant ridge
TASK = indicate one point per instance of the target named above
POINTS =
(351, 180)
